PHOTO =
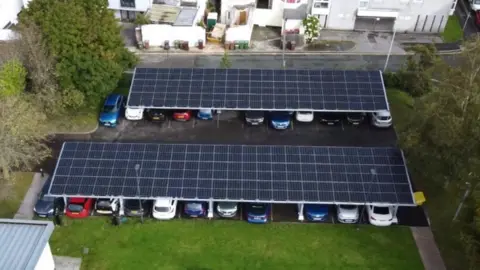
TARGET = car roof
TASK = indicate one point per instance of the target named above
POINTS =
(163, 202)
(112, 99)
(77, 200)
(383, 113)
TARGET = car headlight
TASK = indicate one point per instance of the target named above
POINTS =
(50, 211)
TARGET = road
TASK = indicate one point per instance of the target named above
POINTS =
(359, 62)
(464, 15)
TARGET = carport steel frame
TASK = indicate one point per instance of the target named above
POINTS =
(252, 109)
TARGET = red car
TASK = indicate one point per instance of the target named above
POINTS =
(79, 207)
(182, 115)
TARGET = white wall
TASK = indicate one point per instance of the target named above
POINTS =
(157, 34)
(140, 5)
(46, 262)
(9, 10)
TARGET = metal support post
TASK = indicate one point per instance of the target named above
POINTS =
(390, 50)
(300, 212)
(210, 209)
(137, 171)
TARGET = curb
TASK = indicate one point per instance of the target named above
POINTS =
(246, 53)
(76, 133)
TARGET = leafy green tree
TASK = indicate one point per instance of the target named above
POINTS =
(12, 78)
(83, 38)
(142, 19)
(225, 61)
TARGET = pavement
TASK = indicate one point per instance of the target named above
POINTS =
(429, 252)
(466, 18)
(26, 208)
(67, 263)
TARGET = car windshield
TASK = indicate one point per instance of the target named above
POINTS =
(282, 115)
(103, 203)
(132, 204)
(108, 108)
(303, 112)
(331, 116)
(254, 114)
(46, 198)
(73, 207)
(477, 2)
(355, 115)
(194, 206)
(257, 209)
(381, 210)
(384, 118)
(162, 209)
(227, 206)
(349, 207)
(155, 112)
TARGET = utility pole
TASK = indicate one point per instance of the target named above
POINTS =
(390, 50)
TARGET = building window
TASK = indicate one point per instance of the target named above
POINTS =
(266, 4)
(363, 4)
(127, 3)
(321, 4)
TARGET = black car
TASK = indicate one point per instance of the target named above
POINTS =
(355, 118)
(332, 118)
(254, 118)
(156, 115)
(133, 208)
(45, 204)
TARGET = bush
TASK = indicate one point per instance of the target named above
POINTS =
(392, 80)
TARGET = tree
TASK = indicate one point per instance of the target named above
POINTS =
(22, 129)
(83, 38)
(225, 61)
(142, 19)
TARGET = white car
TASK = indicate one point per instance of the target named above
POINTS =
(381, 119)
(164, 209)
(347, 213)
(134, 113)
(106, 206)
(380, 215)
(304, 116)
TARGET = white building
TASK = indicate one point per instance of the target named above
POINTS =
(24, 245)
(422, 16)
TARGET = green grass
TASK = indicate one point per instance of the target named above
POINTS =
(453, 30)
(401, 104)
(12, 199)
(226, 245)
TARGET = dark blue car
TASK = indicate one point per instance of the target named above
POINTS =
(316, 212)
(45, 204)
(280, 120)
(110, 114)
(195, 209)
(258, 213)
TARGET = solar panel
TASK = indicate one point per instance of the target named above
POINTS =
(255, 89)
(233, 172)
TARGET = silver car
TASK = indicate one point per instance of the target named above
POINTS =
(227, 209)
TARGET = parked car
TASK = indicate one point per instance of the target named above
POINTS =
(182, 115)
(195, 209)
(106, 206)
(110, 114)
(205, 114)
(164, 209)
(254, 118)
(280, 120)
(135, 208)
(381, 119)
(133, 113)
(227, 209)
(316, 212)
(304, 116)
(347, 213)
(330, 118)
(355, 118)
(79, 207)
(380, 215)
(45, 204)
(258, 212)
(156, 115)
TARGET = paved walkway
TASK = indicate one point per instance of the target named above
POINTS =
(26, 208)
(431, 258)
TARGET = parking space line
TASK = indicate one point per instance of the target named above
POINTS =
(343, 128)
(271, 212)
(194, 122)
(169, 123)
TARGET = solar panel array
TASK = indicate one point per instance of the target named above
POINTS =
(255, 89)
(233, 172)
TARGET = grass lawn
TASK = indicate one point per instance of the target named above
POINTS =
(225, 245)
(453, 30)
(10, 205)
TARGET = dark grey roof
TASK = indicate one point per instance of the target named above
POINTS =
(186, 16)
(22, 242)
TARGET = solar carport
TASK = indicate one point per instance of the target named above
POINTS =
(237, 173)
(255, 89)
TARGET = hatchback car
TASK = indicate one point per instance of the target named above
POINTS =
(195, 209)
(182, 115)
(258, 212)
(136, 208)
(79, 207)
(254, 118)
(106, 206)
(133, 113)
(156, 115)
(316, 212)
(331, 119)
(380, 215)
(45, 204)
(280, 120)
(111, 110)
(164, 209)
(355, 118)
(227, 209)
(304, 116)
(381, 119)
(347, 213)
(205, 114)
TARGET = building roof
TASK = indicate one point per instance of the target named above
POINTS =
(22, 242)
(163, 14)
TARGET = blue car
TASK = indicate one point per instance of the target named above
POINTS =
(280, 120)
(195, 209)
(316, 212)
(205, 114)
(258, 213)
(110, 114)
